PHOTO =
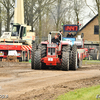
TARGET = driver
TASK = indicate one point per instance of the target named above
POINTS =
(15, 33)
(55, 40)
(70, 35)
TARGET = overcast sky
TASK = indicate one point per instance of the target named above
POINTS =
(87, 11)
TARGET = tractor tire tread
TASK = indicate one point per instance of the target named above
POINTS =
(74, 53)
(65, 61)
(32, 55)
(37, 59)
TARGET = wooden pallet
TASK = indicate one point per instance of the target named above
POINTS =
(10, 59)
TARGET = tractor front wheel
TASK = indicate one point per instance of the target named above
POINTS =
(37, 59)
(65, 61)
(32, 55)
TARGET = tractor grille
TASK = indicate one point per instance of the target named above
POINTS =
(51, 51)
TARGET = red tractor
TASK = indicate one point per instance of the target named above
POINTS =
(61, 55)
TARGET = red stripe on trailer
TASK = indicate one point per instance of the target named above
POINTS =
(10, 47)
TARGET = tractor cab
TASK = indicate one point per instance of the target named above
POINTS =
(18, 31)
(52, 34)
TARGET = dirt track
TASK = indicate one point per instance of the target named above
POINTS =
(22, 83)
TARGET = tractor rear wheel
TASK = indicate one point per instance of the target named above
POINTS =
(37, 59)
(43, 49)
(65, 61)
(32, 55)
(74, 57)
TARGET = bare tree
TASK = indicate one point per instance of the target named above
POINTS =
(34, 12)
(42, 4)
(61, 12)
(30, 12)
(78, 8)
(8, 5)
(57, 13)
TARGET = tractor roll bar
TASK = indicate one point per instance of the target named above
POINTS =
(53, 32)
